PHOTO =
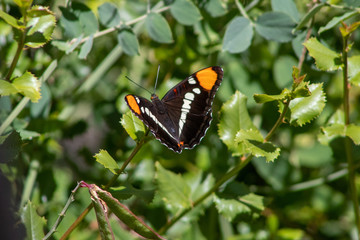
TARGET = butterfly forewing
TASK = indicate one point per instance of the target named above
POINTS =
(181, 118)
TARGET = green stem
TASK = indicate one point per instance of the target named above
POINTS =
(242, 9)
(279, 121)
(62, 214)
(232, 173)
(19, 50)
(29, 182)
(348, 142)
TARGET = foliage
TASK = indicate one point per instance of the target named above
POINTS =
(278, 162)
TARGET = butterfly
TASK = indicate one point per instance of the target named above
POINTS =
(181, 118)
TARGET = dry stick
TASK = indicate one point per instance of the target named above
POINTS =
(110, 183)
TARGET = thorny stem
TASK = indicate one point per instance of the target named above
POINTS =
(109, 184)
(62, 214)
(348, 142)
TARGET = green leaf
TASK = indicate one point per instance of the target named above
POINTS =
(251, 142)
(325, 58)
(185, 12)
(336, 20)
(354, 70)
(314, 156)
(158, 28)
(238, 35)
(10, 147)
(7, 88)
(286, 6)
(128, 41)
(246, 204)
(104, 158)
(263, 98)
(10, 20)
(86, 47)
(28, 85)
(282, 70)
(234, 116)
(215, 8)
(42, 107)
(275, 26)
(28, 135)
(331, 132)
(109, 15)
(172, 189)
(133, 126)
(353, 132)
(41, 24)
(34, 224)
(290, 234)
(305, 109)
(70, 23)
(309, 15)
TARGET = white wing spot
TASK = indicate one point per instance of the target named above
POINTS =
(189, 96)
(191, 81)
(196, 90)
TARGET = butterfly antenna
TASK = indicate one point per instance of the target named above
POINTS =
(138, 84)
(157, 76)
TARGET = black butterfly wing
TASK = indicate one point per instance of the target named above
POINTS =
(189, 104)
(159, 122)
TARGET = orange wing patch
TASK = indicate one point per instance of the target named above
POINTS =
(207, 78)
(133, 104)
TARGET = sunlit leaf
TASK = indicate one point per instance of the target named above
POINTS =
(353, 132)
(263, 98)
(251, 142)
(185, 12)
(104, 158)
(28, 85)
(238, 35)
(7, 88)
(340, 130)
(10, 20)
(305, 109)
(325, 58)
(133, 126)
(158, 28)
(172, 189)
(354, 70)
(41, 24)
(234, 117)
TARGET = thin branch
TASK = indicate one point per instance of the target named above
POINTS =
(62, 214)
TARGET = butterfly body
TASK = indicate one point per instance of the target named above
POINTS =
(181, 118)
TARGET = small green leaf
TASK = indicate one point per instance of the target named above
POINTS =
(185, 12)
(104, 158)
(28, 135)
(234, 116)
(109, 15)
(251, 142)
(86, 47)
(10, 20)
(263, 98)
(128, 41)
(158, 28)
(331, 132)
(336, 20)
(29, 86)
(7, 88)
(354, 70)
(34, 224)
(305, 109)
(215, 8)
(353, 132)
(286, 6)
(275, 26)
(133, 126)
(290, 234)
(249, 204)
(238, 35)
(172, 189)
(325, 58)
(41, 25)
